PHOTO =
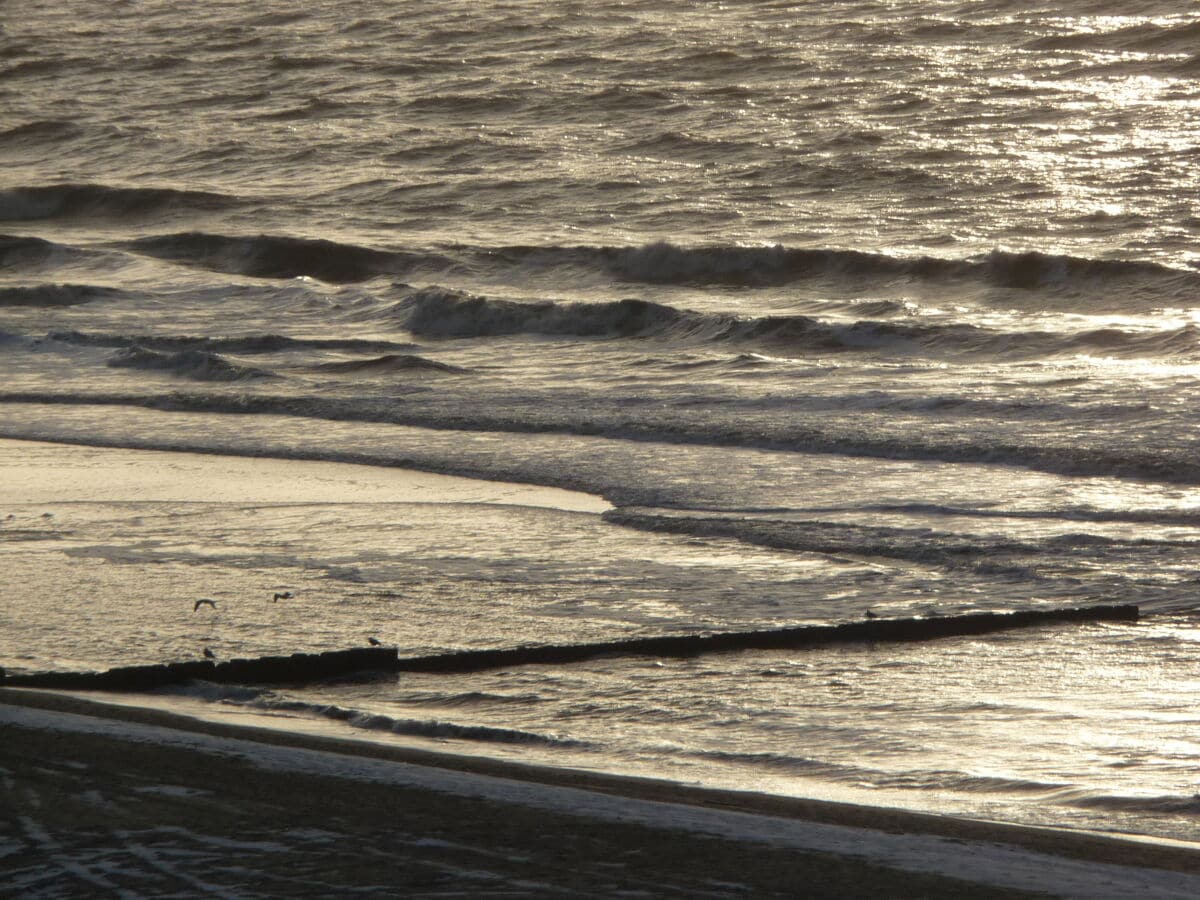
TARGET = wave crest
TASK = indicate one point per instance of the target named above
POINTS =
(21, 250)
(48, 295)
(392, 362)
(439, 312)
(431, 728)
(1171, 467)
(445, 313)
(252, 343)
(40, 131)
(198, 365)
(58, 201)
(276, 256)
(270, 256)
(911, 544)
(667, 263)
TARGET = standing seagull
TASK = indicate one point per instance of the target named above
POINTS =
(374, 642)
(204, 601)
(208, 654)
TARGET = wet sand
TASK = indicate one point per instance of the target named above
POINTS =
(43, 472)
(99, 799)
(105, 799)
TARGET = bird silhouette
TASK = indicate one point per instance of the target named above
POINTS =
(204, 601)
(374, 642)
(872, 615)
(282, 595)
(208, 654)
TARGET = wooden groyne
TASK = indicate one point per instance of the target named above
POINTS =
(801, 637)
(298, 667)
(306, 667)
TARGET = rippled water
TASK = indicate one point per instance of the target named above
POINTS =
(876, 306)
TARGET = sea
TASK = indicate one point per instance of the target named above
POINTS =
(810, 311)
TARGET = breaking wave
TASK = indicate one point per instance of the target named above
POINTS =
(1131, 461)
(1046, 792)
(445, 313)
(1141, 516)
(392, 362)
(851, 774)
(255, 343)
(258, 698)
(440, 312)
(60, 201)
(20, 250)
(667, 263)
(48, 295)
(198, 365)
(429, 728)
(277, 256)
(268, 256)
(913, 544)
(47, 131)
(948, 549)
(1162, 804)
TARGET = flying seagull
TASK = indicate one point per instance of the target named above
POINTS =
(204, 601)
(282, 595)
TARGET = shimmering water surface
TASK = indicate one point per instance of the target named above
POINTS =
(840, 307)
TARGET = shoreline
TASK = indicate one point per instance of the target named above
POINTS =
(1002, 855)
(65, 470)
(865, 850)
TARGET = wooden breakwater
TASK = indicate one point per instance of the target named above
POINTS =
(304, 667)
(298, 667)
(871, 630)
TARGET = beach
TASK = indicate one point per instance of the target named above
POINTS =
(241, 791)
(132, 803)
(474, 412)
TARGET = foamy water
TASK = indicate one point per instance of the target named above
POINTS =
(883, 307)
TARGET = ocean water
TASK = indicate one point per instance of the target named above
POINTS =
(832, 308)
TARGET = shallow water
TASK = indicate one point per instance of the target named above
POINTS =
(882, 307)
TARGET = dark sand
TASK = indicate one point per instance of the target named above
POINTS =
(89, 815)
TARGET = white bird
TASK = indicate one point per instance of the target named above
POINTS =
(204, 601)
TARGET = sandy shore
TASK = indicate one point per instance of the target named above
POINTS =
(105, 799)
(41, 472)
(99, 799)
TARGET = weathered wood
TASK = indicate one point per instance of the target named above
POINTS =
(879, 630)
(264, 670)
(301, 667)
